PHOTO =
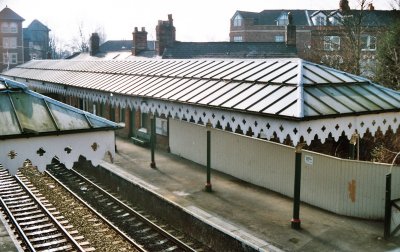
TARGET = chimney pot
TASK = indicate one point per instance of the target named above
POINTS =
(143, 29)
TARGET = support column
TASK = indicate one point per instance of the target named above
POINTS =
(132, 126)
(102, 109)
(152, 139)
(112, 113)
(168, 147)
(388, 210)
(208, 187)
(296, 222)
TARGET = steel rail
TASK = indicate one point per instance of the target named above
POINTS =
(131, 241)
(21, 233)
(75, 244)
(163, 232)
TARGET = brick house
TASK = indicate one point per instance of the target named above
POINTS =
(36, 41)
(322, 36)
(167, 47)
(11, 39)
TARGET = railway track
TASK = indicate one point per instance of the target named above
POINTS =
(144, 231)
(38, 224)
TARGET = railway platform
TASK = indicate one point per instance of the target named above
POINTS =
(256, 215)
(7, 242)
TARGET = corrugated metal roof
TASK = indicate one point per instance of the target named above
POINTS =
(26, 113)
(290, 88)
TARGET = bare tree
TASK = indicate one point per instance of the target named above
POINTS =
(388, 67)
(350, 45)
(354, 26)
(395, 4)
(80, 43)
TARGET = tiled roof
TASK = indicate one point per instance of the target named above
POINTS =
(26, 113)
(36, 25)
(302, 17)
(121, 45)
(191, 50)
(116, 45)
(8, 14)
(289, 88)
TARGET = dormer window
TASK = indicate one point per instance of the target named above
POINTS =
(335, 18)
(320, 21)
(237, 20)
(283, 19)
(318, 18)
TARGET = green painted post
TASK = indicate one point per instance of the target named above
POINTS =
(168, 147)
(132, 130)
(112, 113)
(296, 222)
(153, 140)
(102, 109)
(208, 186)
(388, 210)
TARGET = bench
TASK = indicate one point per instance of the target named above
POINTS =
(141, 137)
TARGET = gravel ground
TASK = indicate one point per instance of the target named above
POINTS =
(95, 231)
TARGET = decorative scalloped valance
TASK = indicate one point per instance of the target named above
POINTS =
(267, 127)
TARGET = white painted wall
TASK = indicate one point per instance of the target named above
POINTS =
(346, 187)
(80, 143)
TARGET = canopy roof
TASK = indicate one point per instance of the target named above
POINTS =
(24, 113)
(36, 128)
(289, 88)
(271, 98)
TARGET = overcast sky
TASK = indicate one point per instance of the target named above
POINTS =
(195, 20)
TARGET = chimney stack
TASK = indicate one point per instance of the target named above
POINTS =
(344, 5)
(290, 31)
(371, 7)
(94, 44)
(139, 41)
(165, 34)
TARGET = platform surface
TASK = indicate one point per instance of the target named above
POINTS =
(251, 213)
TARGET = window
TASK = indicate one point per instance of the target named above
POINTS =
(9, 27)
(283, 19)
(237, 20)
(10, 58)
(4, 27)
(122, 114)
(335, 20)
(320, 21)
(13, 28)
(237, 39)
(368, 43)
(279, 38)
(9, 42)
(143, 120)
(331, 43)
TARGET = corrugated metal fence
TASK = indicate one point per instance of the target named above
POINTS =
(346, 187)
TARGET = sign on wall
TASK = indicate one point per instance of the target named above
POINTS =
(161, 126)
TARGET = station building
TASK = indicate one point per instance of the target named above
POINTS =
(244, 103)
